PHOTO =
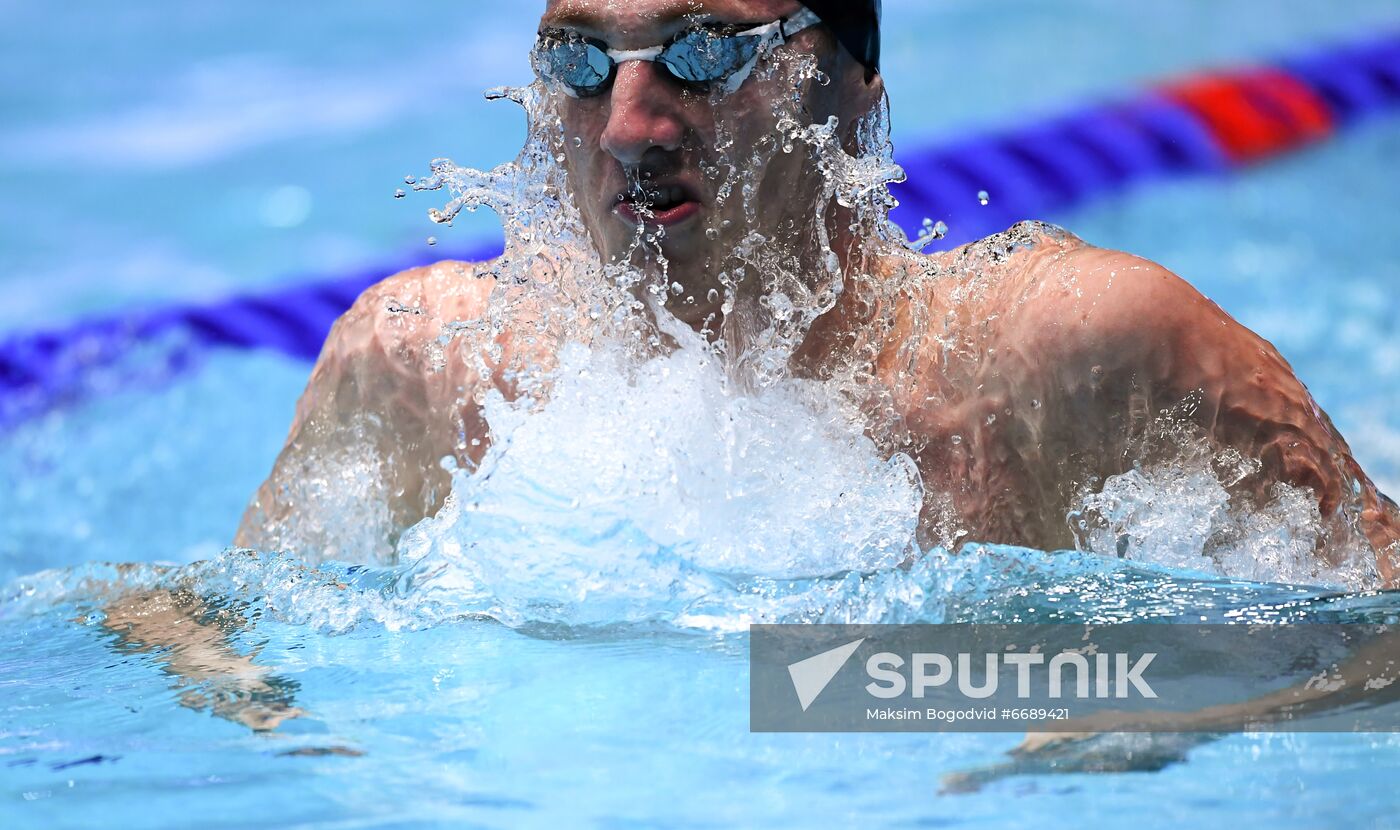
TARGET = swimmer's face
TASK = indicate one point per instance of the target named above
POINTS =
(650, 127)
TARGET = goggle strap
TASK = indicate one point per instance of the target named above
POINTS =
(799, 22)
(783, 29)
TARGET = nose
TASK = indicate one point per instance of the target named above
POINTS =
(645, 115)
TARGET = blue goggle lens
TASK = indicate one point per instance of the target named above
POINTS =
(581, 65)
(696, 57)
(702, 57)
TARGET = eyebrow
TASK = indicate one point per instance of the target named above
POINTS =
(664, 19)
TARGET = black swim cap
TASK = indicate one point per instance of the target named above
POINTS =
(857, 26)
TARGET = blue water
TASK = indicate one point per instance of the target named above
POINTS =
(167, 151)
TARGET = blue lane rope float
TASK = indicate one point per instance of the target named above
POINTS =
(1354, 81)
(45, 369)
(1050, 166)
(1203, 124)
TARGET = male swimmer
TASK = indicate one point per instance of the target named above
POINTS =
(1022, 371)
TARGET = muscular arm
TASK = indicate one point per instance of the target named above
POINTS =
(360, 465)
(1120, 339)
(362, 459)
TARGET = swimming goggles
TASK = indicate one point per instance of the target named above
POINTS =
(703, 55)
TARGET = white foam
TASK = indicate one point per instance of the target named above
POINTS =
(639, 486)
(1182, 515)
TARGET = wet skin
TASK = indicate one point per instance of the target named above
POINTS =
(1064, 351)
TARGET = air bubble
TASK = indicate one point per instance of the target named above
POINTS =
(432, 240)
(983, 197)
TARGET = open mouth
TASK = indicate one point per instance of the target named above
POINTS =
(657, 204)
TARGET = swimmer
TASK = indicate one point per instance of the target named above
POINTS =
(1062, 354)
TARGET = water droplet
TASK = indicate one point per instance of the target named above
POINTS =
(1035, 403)
(432, 240)
(712, 233)
(940, 229)
(982, 197)
(957, 439)
(409, 180)
(578, 142)
(677, 289)
(399, 194)
(712, 296)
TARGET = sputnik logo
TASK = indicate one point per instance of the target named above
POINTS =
(810, 677)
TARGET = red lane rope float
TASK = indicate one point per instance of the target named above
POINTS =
(1257, 114)
(1206, 123)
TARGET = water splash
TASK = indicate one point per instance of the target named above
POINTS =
(638, 490)
(640, 471)
(1182, 515)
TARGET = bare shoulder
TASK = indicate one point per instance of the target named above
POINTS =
(1045, 309)
(1106, 295)
(1076, 302)
(396, 316)
(379, 349)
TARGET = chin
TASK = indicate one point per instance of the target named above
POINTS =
(682, 252)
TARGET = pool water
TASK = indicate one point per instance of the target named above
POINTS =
(411, 718)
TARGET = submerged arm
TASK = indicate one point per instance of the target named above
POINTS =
(1116, 741)
(194, 646)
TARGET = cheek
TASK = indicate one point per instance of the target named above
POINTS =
(582, 123)
(584, 160)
